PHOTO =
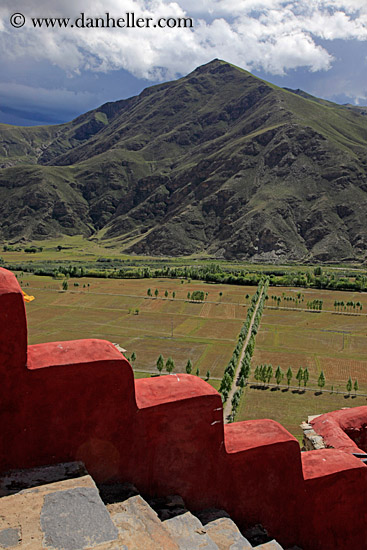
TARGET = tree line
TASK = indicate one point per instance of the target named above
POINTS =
(230, 370)
(349, 306)
(264, 374)
(213, 273)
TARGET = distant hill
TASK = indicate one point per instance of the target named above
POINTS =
(218, 162)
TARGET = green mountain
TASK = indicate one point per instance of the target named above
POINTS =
(218, 162)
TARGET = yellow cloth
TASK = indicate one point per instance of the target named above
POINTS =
(27, 298)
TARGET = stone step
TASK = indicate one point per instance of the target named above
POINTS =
(189, 533)
(226, 535)
(139, 527)
(64, 515)
(168, 507)
(222, 530)
(257, 535)
(60, 507)
(16, 480)
(271, 545)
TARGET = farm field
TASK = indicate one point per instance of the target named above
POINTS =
(327, 341)
(203, 332)
(206, 333)
(290, 408)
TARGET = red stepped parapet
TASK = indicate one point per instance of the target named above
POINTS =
(77, 400)
(345, 429)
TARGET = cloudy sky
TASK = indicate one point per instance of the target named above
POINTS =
(51, 75)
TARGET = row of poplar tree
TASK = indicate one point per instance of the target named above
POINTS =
(230, 370)
(264, 373)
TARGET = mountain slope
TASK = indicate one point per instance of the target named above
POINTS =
(219, 162)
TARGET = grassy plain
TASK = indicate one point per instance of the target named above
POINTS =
(328, 341)
(79, 250)
(203, 332)
(206, 333)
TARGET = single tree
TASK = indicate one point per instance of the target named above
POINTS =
(289, 376)
(160, 363)
(306, 376)
(278, 375)
(263, 373)
(220, 296)
(230, 370)
(137, 311)
(269, 373)
(224, 395)
(207, 375)
(356, 387)
(257, 373)
(65, 285)
(166, 293)
(235, 400)
(173, 294)
(149, 291)
(189, 366)
(226, 383)
(170, 365)
(197, 372)
(349, 385)
(321, 380)
(188, 295)
(156, 292)
(299, 376)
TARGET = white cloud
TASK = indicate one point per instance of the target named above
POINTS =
(272, 35)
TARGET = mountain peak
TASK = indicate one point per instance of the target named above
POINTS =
(220, 66)
(218, 161)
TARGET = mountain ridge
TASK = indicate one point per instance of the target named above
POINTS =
(217, 162)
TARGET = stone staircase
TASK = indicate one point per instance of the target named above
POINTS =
(60, 508)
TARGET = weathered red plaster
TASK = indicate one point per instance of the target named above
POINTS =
(77, 400)
(335, 504)
(335, 426)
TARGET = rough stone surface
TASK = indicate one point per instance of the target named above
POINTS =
(139, 526)
(211, 514)
(226, 535)
(76, 519)
(168, 507)
(312, 441)
(22, 511)
(272, 545)
(17, 480)
(257, 534)
(9, 538)
(116, 492)
(189, 533)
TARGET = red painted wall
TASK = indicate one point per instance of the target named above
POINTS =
(77, 400)
(344, 429)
